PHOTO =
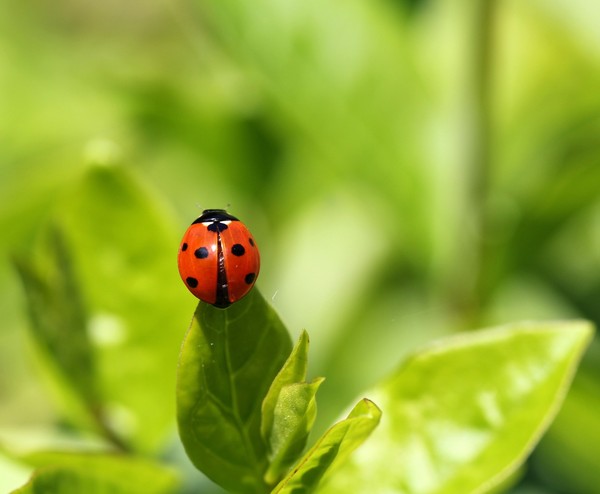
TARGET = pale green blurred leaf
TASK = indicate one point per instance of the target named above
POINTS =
(124, 250)
(462, 415)
(227, 363)
(12, 473)
(331, 451)
(58, 314)
(96, 474)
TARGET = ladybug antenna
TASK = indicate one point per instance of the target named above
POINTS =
(198, 206)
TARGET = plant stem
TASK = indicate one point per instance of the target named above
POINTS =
(108, 432)
(469, 298)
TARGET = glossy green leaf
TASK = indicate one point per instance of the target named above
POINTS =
(294, 418)
(227, 363)
(331, 451)
(98, 474)
(462, 415)
(293, 371)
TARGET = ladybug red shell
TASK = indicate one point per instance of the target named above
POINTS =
(218, 258)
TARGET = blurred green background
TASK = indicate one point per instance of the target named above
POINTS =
(409, 168)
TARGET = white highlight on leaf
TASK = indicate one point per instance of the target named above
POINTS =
(122, 420)
(488, 403)
(107, 329)
(102, 151)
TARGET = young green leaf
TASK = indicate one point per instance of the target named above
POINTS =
(294, 417)
(227, 363)
(99, 474)
(293, 371)
(462, 415)
(331, 450)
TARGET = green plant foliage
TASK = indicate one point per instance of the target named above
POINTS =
(568, 453)
(124, 256)
(289, 411)
(58, 316)
(100, 306)
(462, 415)
(293, 371)
(295, 415)
(227, 363)
(411, 169)
(14, 473)
(98, 474)
(331, 451)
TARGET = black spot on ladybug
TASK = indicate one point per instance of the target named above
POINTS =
(238, 250)
(249, 278)
(251, 241)
(201, 253)
(184, 247)
(217, 226)
(191, 282)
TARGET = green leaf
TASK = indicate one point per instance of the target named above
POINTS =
(227, 363)
(98, 474)
(58, 316)
(123, 246)
(294, 418)
(332, 450)
(121, 249)
(13, 473)
(293, 371)
(462, 415)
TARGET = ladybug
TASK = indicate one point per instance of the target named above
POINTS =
(218, 258)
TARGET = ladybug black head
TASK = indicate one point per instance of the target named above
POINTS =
(215, 215)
